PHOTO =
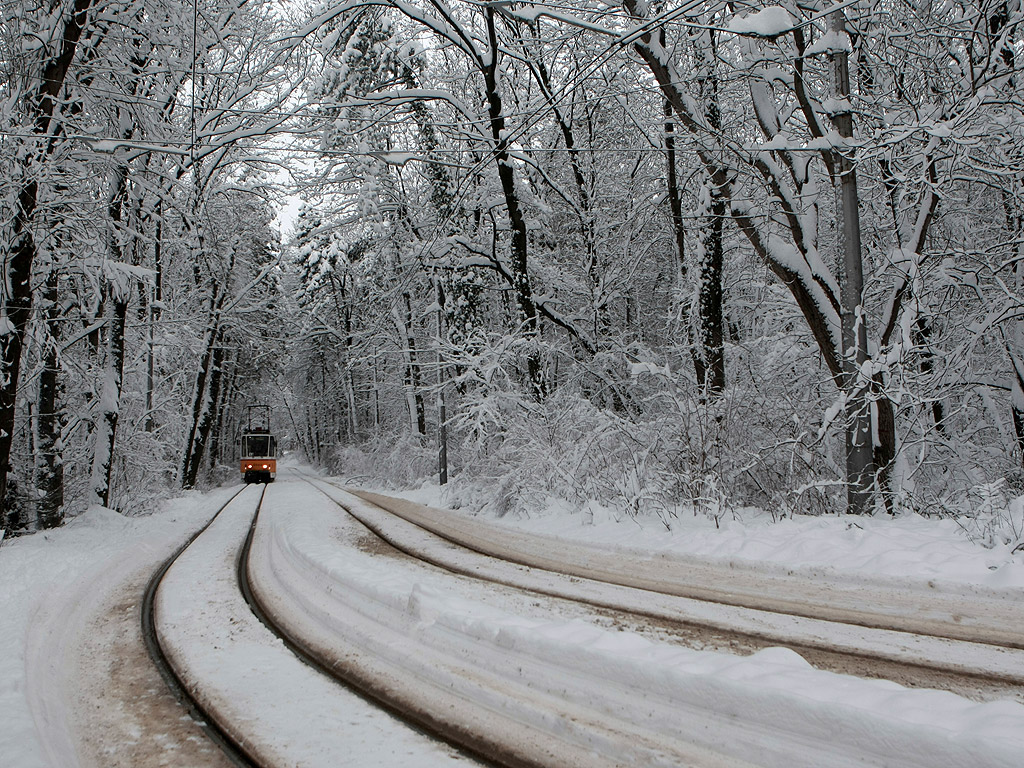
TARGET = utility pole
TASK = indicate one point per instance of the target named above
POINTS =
(442, 427)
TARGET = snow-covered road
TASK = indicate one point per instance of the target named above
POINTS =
(76, 685)
(550, 682)
(498, 654)
(281, 711)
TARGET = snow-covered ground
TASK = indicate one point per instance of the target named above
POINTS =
(880, 548)
(48, 584)
(280, 709)
(770, 709)
(46, 579)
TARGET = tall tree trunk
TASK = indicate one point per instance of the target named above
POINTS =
(376, 395)
(17, 293)
(200, 389)
(115, 312)
(205, 396)
(520, 279)
(220, 411)
(859, 448)
(345, 310)
(115, 309)
(710, 298)
(675, 206)
(411, 369)
(49, 469)
(710, 295)
(14, 321)
(155, 308)
(314, 444)
(208, 413)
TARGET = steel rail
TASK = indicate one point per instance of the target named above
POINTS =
(884, 665)
(362, 686)
(790, 607)
(232, 749)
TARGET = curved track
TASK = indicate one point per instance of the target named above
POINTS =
(233, 744)
(774, 592)
(489, 561)
(234, 751)
(881, 645)
(481, 750)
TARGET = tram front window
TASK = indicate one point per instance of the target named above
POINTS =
(258, 446)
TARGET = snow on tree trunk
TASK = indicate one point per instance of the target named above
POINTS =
(115, 309)
(204, 397)
(711, 349)
(49, 467)
(710, 257)
(19, 259)
(155, 308)
(520, 279)
(108, 407)
(859, 444)
(208, 415)
(675, 203)
(411, 372)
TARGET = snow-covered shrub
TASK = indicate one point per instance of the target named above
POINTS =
(397, 460)
(142, 475)
(990, 516)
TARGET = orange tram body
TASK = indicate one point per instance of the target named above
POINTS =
(258, 450)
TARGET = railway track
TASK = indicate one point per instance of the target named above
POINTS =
(363, 685)
(223, 727)
(936, 613)
(984, 669)
(229, 744)
(984, 661)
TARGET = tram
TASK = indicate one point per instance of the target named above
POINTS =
(258, 447)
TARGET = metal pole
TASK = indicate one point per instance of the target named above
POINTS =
(442, 427)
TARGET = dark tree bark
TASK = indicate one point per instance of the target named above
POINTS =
(675, 204)
(215, 454)
(675, 199)
(208, 414)
(860, 463)
(411, 368)
(201, 404)
(806, 287)
(519, 277)
(17, 299)
(115, 311)
(155, 308)
(710, 294)
(105, 433)
(205, 395)
(51, 418)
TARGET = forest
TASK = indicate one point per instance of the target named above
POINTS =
(674, 257)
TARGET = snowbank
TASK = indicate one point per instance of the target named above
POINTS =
(48, 579)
